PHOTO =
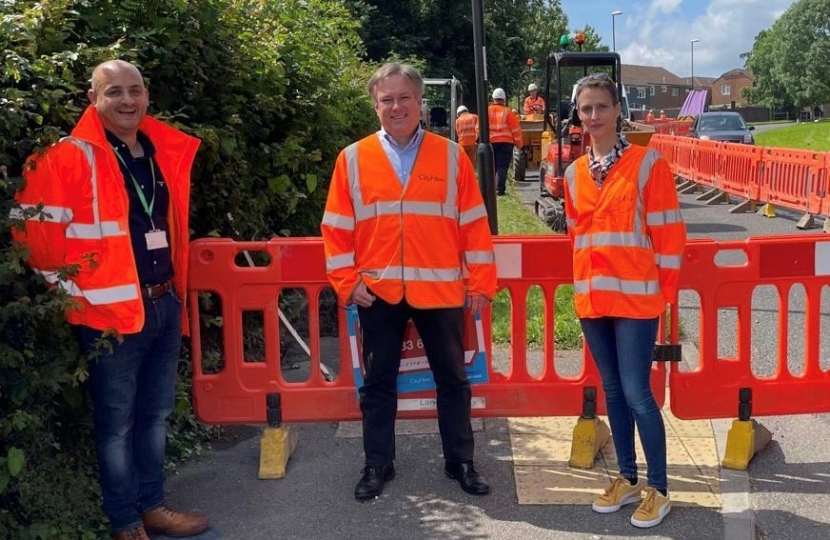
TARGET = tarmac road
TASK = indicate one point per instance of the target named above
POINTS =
(784, 495)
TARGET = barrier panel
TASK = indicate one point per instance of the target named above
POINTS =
(822, 186)
(790, 177)
(237, 392)
(713, 389)
(740, 173)
(707, 164)
(685, 156)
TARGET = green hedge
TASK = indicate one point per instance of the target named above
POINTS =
(274, 90)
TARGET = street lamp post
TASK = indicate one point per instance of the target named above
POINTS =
(692, 44)
(614, 29)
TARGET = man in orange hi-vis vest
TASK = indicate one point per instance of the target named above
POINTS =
(534, 103)
(404, 220)
(505, 132)
(466, 128)
(628, 239)
(115, 204)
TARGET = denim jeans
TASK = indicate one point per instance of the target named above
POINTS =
(133, 392)
(623, 350)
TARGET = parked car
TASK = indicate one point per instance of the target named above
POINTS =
(726, 126)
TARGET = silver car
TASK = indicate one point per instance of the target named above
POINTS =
(724, 126)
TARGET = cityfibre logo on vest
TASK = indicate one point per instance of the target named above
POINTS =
(430, 178)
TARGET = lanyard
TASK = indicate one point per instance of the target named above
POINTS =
(147, 207)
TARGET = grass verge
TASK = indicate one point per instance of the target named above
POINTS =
(805, 136)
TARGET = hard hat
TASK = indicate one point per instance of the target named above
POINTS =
(498, 93)
(460, 110)
(532, 87)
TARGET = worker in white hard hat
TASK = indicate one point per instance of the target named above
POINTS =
(534, 103)
(505, 132)
(466, 130)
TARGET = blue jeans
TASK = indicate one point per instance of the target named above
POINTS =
(623, 350)
(133, 391)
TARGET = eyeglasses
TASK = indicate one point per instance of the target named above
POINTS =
(595, 77)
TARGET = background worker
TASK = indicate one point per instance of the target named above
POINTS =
(466, 128)
(132, 259)
(390, 265)
(628, 237)
(505, 132)
(650, 116)
(534, 103)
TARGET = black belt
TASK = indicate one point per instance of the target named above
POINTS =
(151, 292)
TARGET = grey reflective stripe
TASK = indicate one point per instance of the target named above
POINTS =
(84, 231)
(571, 223)
(611, 284)
(338, 221)
(668, 261)
(453, 154)
(431, 209)
(352, 170)
(52, 214)
(649, 159)
(655, 219)
(570, 179)
(411, 273)
(479, 257)
(612, 239)
(473, 214)
(96, 297)
(337, 262)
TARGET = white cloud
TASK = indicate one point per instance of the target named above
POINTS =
(659, 33)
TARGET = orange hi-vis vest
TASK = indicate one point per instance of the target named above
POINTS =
(466, 128)
(504, 125)
(413, 241)
(534, 105)
(85, 221)
(628, 236)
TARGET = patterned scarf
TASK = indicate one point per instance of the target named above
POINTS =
(599, 167)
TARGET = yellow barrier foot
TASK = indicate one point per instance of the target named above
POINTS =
(275, 448)
(826, 227)
(745, 439)
(806, 221)
(590, 435)
(767, 211)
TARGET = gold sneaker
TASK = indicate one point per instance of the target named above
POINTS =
(652, 510)
(617, 495)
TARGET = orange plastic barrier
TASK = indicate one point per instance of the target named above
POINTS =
(740, 173)
(237, 393)
(712, 390)
(708, 163)
(685, 156)
(790, 178)
(822, 185)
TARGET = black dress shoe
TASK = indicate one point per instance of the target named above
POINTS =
(371, 484)
(470, 479)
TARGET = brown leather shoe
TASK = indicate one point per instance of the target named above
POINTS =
(169, 522)
(133, 534)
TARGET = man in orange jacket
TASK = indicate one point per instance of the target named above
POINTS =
(466, 129)
(505, 132)
(404, 219)
(115, 206)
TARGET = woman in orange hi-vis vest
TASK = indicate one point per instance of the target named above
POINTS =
(404, 219)
(628, 238)
(466, 129)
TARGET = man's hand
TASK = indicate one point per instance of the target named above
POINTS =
(361, 295)
(477, 302)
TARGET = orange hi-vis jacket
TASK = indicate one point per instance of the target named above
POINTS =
(85, 221)
(504, 125)
(413, 241)
(466, 128)
(534, 105)
(628, 236)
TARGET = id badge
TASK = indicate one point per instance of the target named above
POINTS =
(156, 239)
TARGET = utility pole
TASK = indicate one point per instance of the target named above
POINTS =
(484, 152)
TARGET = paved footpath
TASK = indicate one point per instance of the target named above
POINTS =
(784, 495)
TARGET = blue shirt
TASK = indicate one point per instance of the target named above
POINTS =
(154, 266)
(402, 159)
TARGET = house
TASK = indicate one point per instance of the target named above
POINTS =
(727, 90)
(651, 87)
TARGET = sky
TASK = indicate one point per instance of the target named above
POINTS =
(659, 32)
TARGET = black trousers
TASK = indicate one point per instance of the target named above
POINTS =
(442, 331)
(502, 157)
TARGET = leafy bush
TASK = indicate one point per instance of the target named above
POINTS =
(274, 90)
